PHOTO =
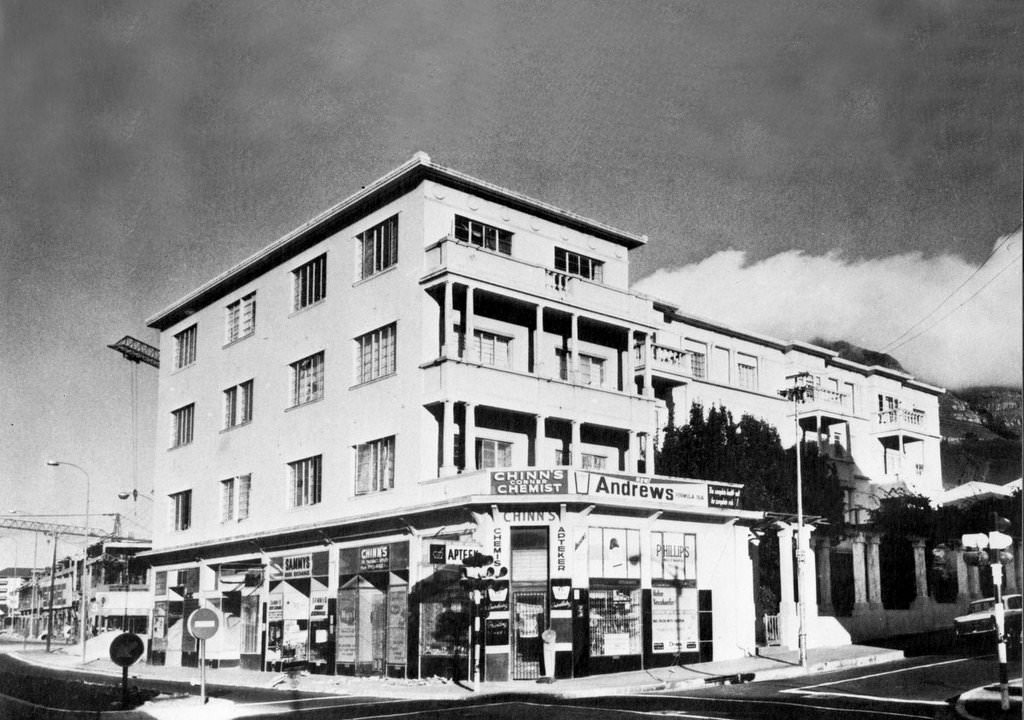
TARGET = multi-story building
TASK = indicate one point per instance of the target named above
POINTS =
(438, 366)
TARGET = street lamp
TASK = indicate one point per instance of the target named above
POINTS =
(134, 495)
(85, 556)
(797, 393)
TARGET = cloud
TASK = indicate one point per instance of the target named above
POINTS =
(945, 320)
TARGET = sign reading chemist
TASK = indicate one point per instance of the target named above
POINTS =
(529, 482)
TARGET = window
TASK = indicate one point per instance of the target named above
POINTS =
(238, 404)
(379, 247)
(484, 236)
(234, 498)
(491, 349)
(181, 507)
(581, 265)
(308, 379)
(241, 318)
(593, 462)
(183, 421)
(493, 453)
(746, 371)
(376, 354)
(591, 370)
(310, 282)
(375, 466)
(563, 363)
(698, 354)
(185, 347)
(305, 481)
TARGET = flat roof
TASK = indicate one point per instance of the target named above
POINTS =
(394, 184)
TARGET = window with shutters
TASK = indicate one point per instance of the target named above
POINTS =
(182, 425)
(378, 247)
(375, 466)
(376, 354)
(234, 498)
(185, 347)
(591, 370)
(241, 318)
(238, 405)
(746, 371)
(491, 349)
(181, 510)
(305, 482)
(308, 379)
(309, 283)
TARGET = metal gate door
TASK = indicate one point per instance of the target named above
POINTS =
(528, 616)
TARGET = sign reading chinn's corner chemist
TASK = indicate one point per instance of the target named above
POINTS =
(562, 481)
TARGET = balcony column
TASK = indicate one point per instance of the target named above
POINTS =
(448, 439)
(874, 574)
(632, 453)
(575, 459)
(469, 438)
(648, 354)
(448, 324)
(538, 335)
(574, 360)
(1010, 570)
(823, 563)
(628, 366)
(860, 578)
(973, 582)
(539, 443)
(469, 324)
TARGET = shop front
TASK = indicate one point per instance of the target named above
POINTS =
(617, 585)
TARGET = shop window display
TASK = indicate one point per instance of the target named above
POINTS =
(614, 622)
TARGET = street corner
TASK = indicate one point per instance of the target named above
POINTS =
(985, 703)
(191, 706)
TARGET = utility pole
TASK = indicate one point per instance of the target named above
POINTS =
(797, 392)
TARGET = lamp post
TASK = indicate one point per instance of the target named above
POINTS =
(84, 614)
(797, 392)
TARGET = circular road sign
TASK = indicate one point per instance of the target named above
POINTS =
(204, 623)
(126, 648)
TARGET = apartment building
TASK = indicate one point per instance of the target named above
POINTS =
(438, 366)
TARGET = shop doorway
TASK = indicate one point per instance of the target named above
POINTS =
(529, 613)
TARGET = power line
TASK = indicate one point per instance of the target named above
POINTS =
(969, 298)
(892, 345)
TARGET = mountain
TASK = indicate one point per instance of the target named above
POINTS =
(855, 353)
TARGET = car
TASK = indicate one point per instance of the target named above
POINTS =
(981, 619)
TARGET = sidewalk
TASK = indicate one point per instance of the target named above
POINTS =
(772, 665)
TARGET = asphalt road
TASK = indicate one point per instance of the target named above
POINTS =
(918, 687)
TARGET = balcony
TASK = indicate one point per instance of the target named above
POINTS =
(530, 394)
(666, 362)
(448, 255)
(900, 419)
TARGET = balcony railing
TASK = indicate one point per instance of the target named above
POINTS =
(665, 359)
(901, 417)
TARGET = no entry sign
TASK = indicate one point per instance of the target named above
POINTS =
(204, 623)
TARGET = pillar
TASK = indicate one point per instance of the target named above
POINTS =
(860, 577)
(469, 325)
(973, 582)
(628, 365)
(573, 358)
(1010, 584)
(874, 574)
(538, 335)
(963, 587)
(632, 453)
(823, 564)
(920, 573)
(448, 439)
(808, 573)
(448, 349)
(788, 622)
(648, 353)
(469, 438)
(575, 459)
(539, 443)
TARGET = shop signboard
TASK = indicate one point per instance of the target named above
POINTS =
(674, 557)
(373, 558)
(530, 482)
(452, 553)
(496, 631)
(346, 630)
(561, 588)
(673, 619)
(723, 496)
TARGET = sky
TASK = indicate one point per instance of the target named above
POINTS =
(803, 169)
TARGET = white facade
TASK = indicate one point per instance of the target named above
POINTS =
(334, 403)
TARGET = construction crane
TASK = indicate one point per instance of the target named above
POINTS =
(14, 523)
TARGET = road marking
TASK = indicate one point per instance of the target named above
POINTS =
(880, 674)
(830, 708)
(878, 698)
